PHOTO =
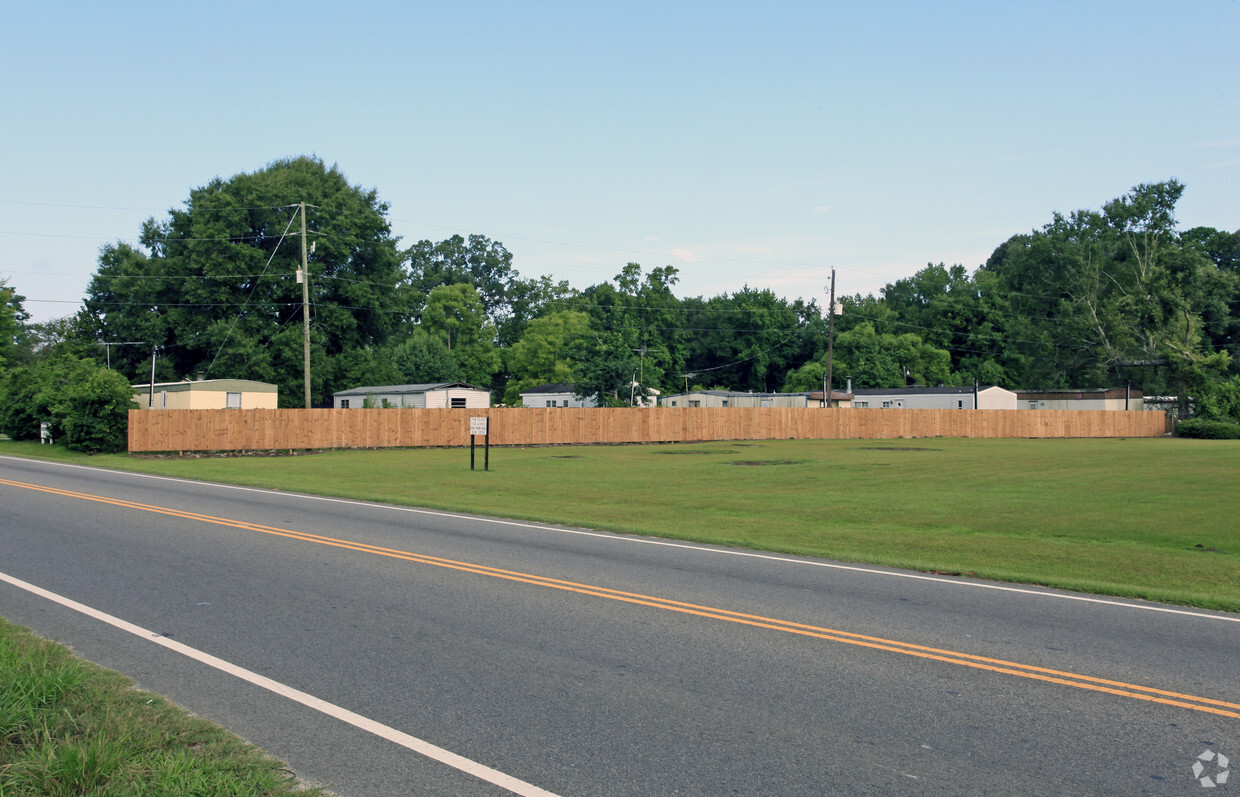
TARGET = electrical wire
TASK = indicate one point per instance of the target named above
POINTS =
(250, 294)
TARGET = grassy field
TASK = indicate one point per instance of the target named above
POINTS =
(71, 728)
(1145, 518)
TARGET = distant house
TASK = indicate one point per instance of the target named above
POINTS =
(206, 394)
(935, 398)
(562, 395)
(435, 395)
(555, 395)
(839, 398)
(1116, 398)
(730, 398)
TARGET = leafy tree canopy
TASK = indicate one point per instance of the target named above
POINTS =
(872, 360)
(478, 261)
(454, 314)
(12, 323)
(213, 286)
(541, 355)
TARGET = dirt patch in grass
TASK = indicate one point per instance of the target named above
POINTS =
(759, 462)
(720, 451)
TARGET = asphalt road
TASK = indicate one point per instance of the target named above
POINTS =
(460, 655)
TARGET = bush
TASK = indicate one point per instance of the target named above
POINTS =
(20, 411)
(1208, 430)
(95, 413)
(85, 405)
(1219, 400)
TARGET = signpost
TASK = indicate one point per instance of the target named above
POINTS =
(480, 426)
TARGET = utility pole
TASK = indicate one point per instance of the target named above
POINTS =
(150, 401)
(305, 301)
(642, 361)
(108, 348)
(826, 389)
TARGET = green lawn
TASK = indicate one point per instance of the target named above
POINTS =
(1148, 518)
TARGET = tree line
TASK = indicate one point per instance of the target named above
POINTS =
(1094, 298)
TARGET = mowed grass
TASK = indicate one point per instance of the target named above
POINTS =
(70, 728)
(1146, 518)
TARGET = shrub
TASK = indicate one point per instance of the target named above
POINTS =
(1208, 430)
(95, 413)
(85, 405)
(20, 412)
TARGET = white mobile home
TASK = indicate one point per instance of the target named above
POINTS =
(729, 398)
(1117, 398)
(555, 395)
(935, 398)
(435, 395)
(562, 395)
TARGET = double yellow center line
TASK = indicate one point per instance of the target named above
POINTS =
(1048, 675)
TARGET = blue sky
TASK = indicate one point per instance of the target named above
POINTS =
(743, 143)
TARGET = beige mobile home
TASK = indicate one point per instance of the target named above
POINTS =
(206, 394)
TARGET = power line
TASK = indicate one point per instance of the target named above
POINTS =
(249, 296)
(152, 209)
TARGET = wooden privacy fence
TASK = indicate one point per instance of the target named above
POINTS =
(260, 430)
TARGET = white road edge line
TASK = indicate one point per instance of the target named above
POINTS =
(427, 749)
(647, 541)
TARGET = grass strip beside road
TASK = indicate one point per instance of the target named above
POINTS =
(71, 728)
(1143, 518)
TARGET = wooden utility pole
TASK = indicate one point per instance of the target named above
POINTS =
(150, 401)
(305, 301)
(826, 390)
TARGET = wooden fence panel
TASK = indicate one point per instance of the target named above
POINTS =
(258, 430)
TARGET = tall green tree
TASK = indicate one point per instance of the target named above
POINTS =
(529, 299)
(872, 360)
(541, 356)
(750, 339)
(455, 315)
(1220, 312)
(951, 310)
(605, 366)
(638, 331)
(1096, 298)
(422, 358)
(212, 287)
(13, 318)
(477, 261)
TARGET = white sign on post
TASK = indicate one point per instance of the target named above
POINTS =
(478, 426)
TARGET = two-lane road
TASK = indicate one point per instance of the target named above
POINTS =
(384, 650)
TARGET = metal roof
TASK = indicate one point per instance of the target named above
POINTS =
(208, 385)
(921, 391)
(401, 390)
